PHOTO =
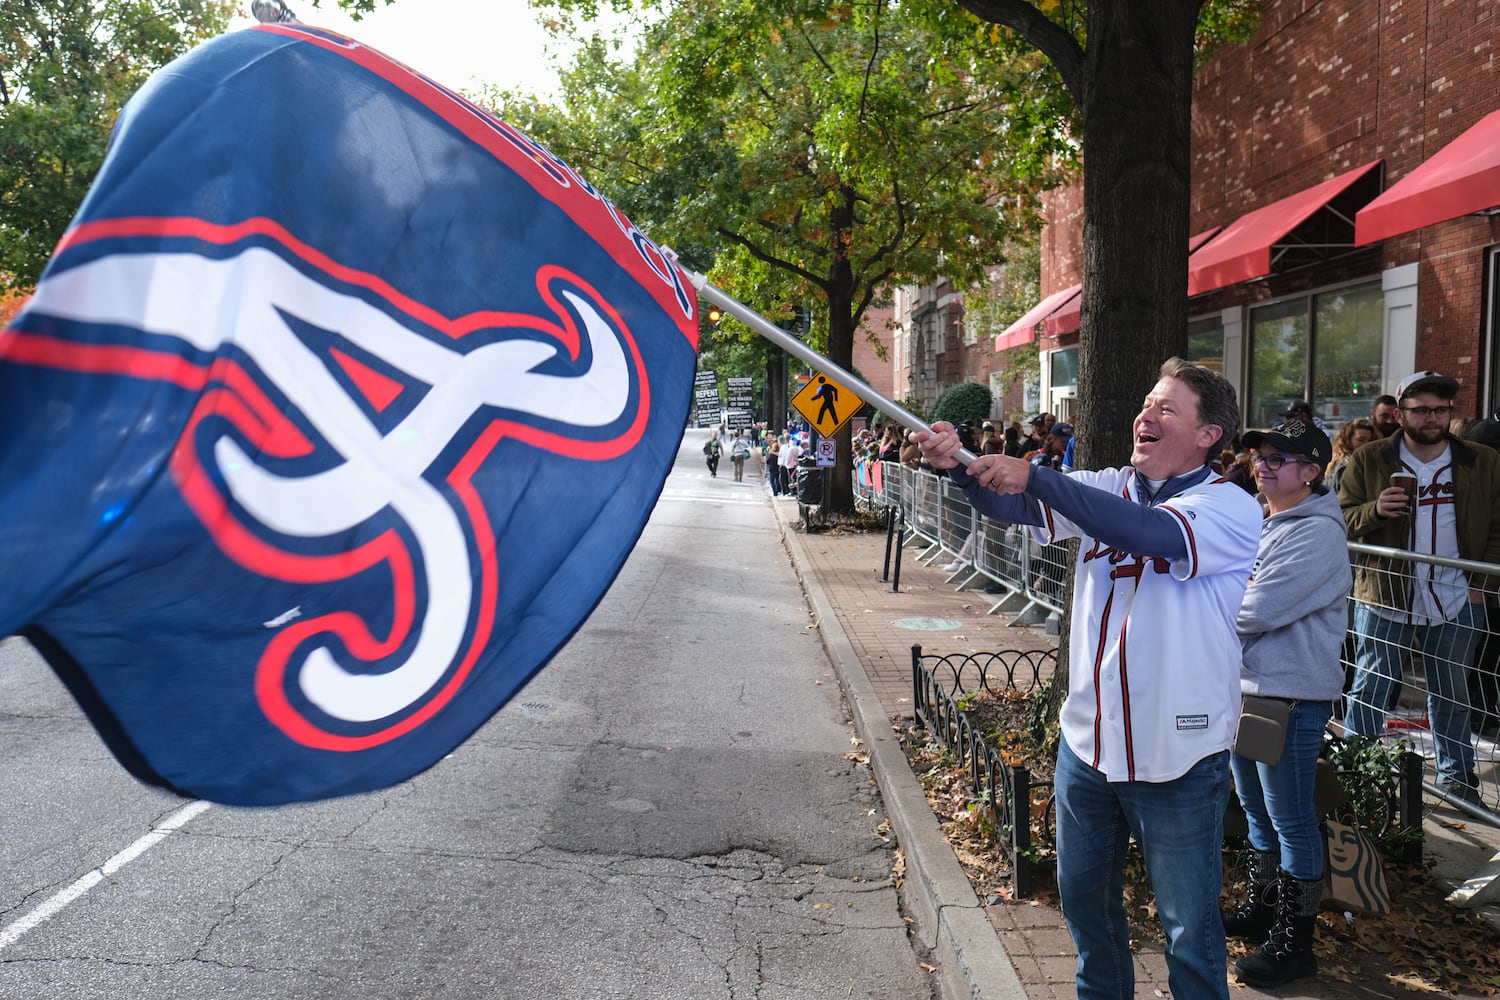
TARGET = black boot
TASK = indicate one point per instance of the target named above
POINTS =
(1288, 952)
(1252, 918)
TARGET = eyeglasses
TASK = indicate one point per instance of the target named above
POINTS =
(1274, 461)
(1423, 412)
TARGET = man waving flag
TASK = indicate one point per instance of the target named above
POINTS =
(335, 413)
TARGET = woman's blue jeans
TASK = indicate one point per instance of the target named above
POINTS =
(1278, 798)
(1179, 826)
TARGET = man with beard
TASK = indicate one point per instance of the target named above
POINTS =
(1383, 415)
(1456, 515)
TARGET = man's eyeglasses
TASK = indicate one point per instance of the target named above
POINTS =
(1423, 412)
(1273, 461)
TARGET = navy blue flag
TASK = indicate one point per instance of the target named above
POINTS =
(334, 415)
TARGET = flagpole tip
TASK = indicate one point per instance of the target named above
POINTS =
(271, 11)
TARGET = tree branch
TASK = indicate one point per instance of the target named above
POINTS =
(770, 258)
(1050, 38)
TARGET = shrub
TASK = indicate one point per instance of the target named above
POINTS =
(965, 401)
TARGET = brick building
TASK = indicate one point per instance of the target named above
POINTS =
(1346, 178)
(933, 347)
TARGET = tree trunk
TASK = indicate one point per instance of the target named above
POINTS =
(1136, 102)
(841, 297)
(841, 352)
(1134, 89)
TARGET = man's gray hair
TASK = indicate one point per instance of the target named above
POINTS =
(1217, 402)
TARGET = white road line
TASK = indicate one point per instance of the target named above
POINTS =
(59, 901)
(742, 498)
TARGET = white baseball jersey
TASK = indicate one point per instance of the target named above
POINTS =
(1436, 593)
(1154, 669)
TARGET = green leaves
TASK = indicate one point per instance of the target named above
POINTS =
(66, 69)
(819, 151)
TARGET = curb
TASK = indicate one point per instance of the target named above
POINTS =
(949, 919)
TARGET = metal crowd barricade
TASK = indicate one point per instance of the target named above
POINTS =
(866, 495)
(924, 521)
(938, 520)
(1427, 671)
(1464, 700)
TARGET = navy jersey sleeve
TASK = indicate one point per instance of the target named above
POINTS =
(1115, 520)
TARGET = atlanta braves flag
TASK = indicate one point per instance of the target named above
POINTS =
(336, 412)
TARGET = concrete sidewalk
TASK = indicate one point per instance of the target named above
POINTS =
(1008, 949)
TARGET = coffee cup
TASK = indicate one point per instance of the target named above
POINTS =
(1408, 483)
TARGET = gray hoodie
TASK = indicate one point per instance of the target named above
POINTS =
(1296, 610)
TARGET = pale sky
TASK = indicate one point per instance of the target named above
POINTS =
(458, 43)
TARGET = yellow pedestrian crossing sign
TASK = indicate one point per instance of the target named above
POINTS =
(826, 404)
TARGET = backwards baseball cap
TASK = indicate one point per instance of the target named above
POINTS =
(1300, 437)
(1062, 430)
(1428, 381)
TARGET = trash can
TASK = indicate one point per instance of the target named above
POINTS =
(809, 481)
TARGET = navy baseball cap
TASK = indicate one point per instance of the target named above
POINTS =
(1301, 437)
(1062, 430)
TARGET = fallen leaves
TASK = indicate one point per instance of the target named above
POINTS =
(1423, 947)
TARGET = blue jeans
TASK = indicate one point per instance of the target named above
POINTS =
(1179, 826)
(1278, 798)
(1447, 651)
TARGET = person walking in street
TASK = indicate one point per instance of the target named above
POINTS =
(1167, 548)
(711, 449)
(739, 450)
(1456, 514)
(791, 454)
(773, 464)
(1291, 627)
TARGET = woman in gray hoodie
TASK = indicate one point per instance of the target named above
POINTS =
(1291, 627)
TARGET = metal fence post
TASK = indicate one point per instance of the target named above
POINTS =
(890, 531)
(900, 531)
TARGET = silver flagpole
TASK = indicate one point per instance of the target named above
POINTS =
(798, 349)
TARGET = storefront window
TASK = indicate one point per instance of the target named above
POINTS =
(1278, 360)
(1347, 352)
(1325, 348)
(1064, 368)
(1206, 343)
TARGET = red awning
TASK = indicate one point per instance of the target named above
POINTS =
(1194, 242)
(1023, 330)
(1460, 178)
(1069, 316)
(1065, 318)
(1250, 245)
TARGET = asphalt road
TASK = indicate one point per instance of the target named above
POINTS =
(668, 810)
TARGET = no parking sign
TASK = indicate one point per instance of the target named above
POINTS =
(828, 450)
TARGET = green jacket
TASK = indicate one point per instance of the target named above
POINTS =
(1367, 472)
